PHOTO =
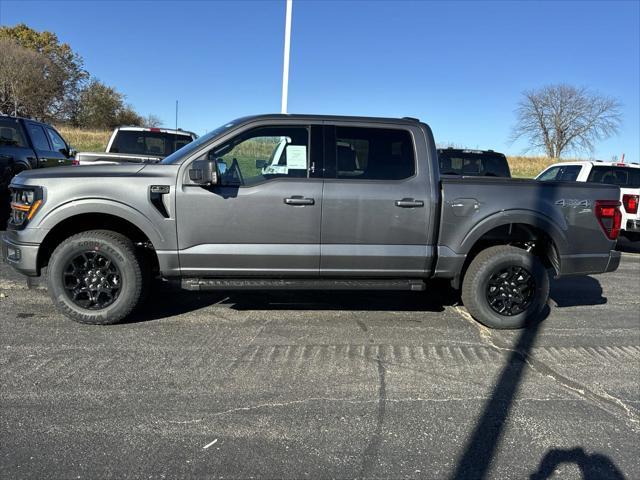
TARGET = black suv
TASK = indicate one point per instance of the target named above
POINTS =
(473, 163)
(26, 144)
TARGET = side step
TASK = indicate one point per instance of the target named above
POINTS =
(300, 284)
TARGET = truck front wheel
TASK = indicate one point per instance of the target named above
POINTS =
(505, 287)
(95, 277)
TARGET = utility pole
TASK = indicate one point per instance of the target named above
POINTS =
(287, 47)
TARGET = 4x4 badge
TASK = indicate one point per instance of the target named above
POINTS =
(572, 202)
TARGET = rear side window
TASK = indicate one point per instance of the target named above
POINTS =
(374, 154)
(38, 137)
(11, 134)
(625, 177)
(566, 173)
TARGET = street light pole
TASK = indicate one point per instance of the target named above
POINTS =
(287, 47)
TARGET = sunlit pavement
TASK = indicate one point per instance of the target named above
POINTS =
(323, 385)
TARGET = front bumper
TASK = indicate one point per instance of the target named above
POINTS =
(633, 226)
(22, 257)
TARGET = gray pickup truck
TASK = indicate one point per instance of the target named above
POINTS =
(305, 202)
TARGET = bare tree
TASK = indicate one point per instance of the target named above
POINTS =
(152, 121)
(563, 118)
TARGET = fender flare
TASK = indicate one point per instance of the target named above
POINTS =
(102, 206)
(537, 220)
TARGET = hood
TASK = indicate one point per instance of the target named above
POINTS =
(76, 171)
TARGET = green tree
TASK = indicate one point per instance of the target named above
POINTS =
(102, 107)
(66, 68)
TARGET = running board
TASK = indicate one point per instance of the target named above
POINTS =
(300, 284)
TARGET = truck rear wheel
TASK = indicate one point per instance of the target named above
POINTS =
(505, 287)
(95, 277)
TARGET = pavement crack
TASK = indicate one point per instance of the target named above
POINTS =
(370, 456)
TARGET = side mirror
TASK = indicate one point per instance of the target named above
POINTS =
(203, 172)
(260, 164)
(72, 152)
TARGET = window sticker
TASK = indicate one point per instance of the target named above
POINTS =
(297, 157)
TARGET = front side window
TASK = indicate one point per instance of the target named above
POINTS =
(263, 154)
(56, 140)
(374, 154)
(565, 173)
(38, 137)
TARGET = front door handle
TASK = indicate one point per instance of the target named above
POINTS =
(299, 200)
(409, 203)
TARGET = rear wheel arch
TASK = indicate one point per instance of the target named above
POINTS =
(532, 238)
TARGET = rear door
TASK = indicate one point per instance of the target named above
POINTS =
(47, 156)
(377, 215)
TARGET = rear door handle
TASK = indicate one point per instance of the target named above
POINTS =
(409, 203)
(299, 200)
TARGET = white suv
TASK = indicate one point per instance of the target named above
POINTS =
(625, 175)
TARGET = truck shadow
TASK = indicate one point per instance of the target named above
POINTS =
(592, 467)
(576, 291)
(165, 301)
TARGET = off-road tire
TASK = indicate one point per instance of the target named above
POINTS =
(476, 282)
(121, 251)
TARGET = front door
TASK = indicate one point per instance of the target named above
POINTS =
(263, 219)
(48, 155)
(377, 212)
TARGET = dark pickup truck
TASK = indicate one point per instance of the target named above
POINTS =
(306, 202)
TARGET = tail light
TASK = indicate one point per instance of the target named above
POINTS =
(75, 161)
(609, 217)
(630, 203)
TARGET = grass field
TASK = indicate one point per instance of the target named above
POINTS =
(96, 141)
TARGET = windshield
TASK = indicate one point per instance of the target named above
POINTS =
(193, 146)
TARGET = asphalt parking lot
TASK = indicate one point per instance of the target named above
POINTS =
(319, 385)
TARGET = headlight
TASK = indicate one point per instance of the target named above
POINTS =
(25, 202)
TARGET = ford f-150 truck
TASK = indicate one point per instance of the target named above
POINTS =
(356, 203)
(137, 145)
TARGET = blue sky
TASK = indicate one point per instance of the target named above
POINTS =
(460, 66)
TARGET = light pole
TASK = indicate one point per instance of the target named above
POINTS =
(287, 47)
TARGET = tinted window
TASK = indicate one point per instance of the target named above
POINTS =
(473, 164)
(374, 154)
(11, 134)
(38, 137)
(622, 176)
(263, 154)
(565, 173)
(56, 140)
(148, 143)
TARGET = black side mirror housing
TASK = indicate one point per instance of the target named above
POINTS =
(203, 172)
(261, 164)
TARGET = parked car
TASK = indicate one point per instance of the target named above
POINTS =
(359, 203)
(476, 163)
(138, 145)
(27, 144)
(624, 175)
